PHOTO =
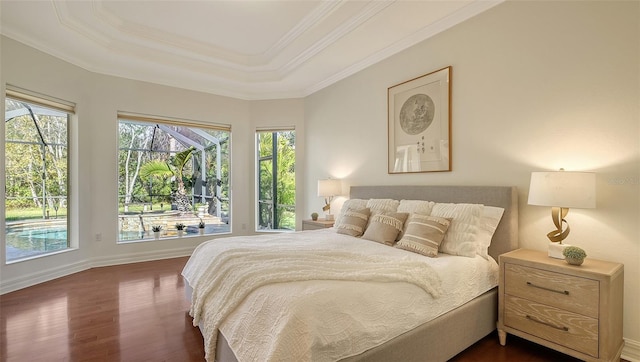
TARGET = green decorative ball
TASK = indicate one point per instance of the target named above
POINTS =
(574, 255)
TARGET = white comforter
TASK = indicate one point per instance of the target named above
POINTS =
(347, 295)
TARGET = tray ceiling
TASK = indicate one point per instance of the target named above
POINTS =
(243, 49)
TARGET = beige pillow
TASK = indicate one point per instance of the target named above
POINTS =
(350, 204)
(414, 206)
(353, 222)
(423, 234)
(379, 206)
(385, 227)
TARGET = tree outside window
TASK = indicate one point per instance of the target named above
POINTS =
(276, 180)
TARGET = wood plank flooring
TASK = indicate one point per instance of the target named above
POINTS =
(137, 312)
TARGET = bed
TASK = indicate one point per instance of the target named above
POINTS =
(430, 332)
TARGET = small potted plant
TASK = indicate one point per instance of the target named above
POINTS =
(314, 216)
(156, 231)
(180, 229)
(201, 227)
(574, 255)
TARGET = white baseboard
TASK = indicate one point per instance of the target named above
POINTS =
(46, 275)
(631, 350)
(140, 257)
(42, 276)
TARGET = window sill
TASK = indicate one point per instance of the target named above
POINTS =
(39, 256)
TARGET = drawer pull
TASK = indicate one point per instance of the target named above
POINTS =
(566, 329)
(565, 292)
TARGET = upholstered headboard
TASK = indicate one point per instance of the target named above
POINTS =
(506, 236)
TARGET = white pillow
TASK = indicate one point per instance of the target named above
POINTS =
(378, 206)
(353, 204)
(460, 239)
(416, 206)
(489, 221)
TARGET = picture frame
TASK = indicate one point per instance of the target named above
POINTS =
(419, 124)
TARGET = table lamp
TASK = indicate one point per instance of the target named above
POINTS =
(328, 189)
(562, 190)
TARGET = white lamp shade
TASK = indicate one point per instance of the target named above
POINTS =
(329, 187)
(563, 189)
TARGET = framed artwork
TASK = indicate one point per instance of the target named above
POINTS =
(419, 121)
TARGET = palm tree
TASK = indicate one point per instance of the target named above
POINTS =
(173, 168)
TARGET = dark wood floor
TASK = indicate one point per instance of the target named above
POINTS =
(137, 312)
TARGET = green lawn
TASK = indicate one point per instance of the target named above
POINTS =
(16, 214)
(32, 213)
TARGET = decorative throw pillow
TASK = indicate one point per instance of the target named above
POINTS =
(353, 222)
(489, 221)
(423, 234)
(385, 227)
(412, 207)
(350, 204)
(378, 206)
(461, 237)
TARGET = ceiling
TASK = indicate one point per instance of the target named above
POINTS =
(263, 49)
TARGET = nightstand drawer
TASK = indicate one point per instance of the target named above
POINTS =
(568, 329)
(572, 293)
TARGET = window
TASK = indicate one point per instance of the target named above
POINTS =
(36, 175)
(172, 174)
(276, 161)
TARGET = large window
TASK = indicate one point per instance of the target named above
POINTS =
(276, 161)
(36, 175)
(173, 178)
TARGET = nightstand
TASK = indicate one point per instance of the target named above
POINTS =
(316, 224)
(576, 310)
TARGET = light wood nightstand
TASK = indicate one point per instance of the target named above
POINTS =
(576, 310)
(316, 224)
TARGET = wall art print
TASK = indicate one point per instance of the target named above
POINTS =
(419, 122)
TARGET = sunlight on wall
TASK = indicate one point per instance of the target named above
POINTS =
(574, 141)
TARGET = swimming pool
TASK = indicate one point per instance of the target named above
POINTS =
(30, 238)
(26, 241)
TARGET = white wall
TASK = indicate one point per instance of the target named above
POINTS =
(536, 86)
(94, 172)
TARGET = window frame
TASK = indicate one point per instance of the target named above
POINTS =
(66, 109)
(199, 128)
(273, 157)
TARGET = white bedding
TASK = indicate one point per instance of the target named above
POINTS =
(328, 319)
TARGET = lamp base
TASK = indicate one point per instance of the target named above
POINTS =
(328, 217)
(556, 249)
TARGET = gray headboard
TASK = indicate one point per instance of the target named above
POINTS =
(506, 236)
